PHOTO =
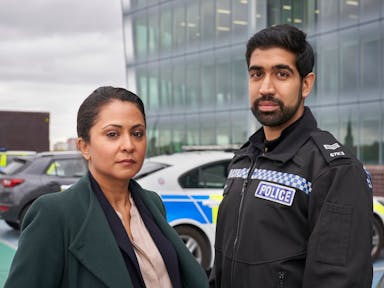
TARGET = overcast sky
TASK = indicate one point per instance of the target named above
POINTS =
(54, 53)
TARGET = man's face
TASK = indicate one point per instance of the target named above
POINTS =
(276, 90)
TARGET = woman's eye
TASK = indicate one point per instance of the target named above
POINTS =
(112, 134)
(138, 134)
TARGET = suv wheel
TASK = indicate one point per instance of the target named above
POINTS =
(23, 212)
(14, 225)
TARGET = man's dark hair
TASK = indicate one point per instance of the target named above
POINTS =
(286, 37)
(90, 108)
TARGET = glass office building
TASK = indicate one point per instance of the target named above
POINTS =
(185, 58)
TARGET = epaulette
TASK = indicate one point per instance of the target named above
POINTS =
(330, 148)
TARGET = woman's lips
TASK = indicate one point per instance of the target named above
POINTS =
(127, 161)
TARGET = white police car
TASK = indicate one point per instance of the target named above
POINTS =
(378, 227)
(191, 187)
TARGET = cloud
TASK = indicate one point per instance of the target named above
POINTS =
(49, 17)
(61, 58)
(54, 53)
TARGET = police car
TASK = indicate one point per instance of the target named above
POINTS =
(378, 227)
(191, 187)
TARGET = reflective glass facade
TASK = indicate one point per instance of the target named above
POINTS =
(185, 58)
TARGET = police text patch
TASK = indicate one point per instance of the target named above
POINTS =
(275, 193)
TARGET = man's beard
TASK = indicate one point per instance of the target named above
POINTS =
(278, 117)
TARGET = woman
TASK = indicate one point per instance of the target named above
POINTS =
(105, 230)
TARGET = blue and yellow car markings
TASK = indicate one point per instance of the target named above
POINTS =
(200, 208)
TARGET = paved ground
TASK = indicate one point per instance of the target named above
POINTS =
(9, 238)
(8, 245)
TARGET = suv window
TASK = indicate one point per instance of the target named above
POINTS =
(15, 166)
(207, 176)
(67, 168)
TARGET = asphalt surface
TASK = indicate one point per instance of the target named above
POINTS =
(10, 237)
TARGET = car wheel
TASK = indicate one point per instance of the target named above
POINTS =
(377, 239)
(197, 244)
(14, 225)
(23, 212)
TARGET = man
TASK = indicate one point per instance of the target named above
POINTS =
(297, 206)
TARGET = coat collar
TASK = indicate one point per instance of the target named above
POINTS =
(94, 245)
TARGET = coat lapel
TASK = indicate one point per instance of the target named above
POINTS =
(95, 247)
(169, 232)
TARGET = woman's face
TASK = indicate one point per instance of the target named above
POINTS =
(117, 145)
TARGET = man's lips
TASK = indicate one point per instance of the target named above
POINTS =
(266, 106)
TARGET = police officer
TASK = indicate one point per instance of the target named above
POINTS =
(297, 206)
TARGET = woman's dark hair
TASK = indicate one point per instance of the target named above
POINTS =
(287, 37)
(90, 108)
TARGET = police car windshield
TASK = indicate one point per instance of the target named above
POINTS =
(149, 168)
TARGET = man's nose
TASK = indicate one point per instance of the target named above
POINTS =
(267, 86)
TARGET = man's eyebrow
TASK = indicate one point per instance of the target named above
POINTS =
(283, 66)
(255, 67)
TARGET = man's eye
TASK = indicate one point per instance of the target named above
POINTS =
(282, 74)
(256, 74)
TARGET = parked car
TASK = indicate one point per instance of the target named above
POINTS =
(191, 187)
(7, 156)
(27, 178)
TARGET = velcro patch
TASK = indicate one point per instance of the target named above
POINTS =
(275, 193)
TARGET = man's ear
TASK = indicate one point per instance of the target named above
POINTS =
(307, 84)
(82, 145)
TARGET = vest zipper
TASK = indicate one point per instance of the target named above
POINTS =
(242, 194)
(281, 279)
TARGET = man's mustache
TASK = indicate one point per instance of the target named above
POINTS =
(269, 98)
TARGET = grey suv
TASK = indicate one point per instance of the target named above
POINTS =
(27, 178)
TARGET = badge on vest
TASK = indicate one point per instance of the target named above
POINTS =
(275, 193)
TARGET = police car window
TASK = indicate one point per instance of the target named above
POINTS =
(207, 176)
(149, 168)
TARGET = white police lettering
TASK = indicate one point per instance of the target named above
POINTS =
(331, 147)
(335, 154)
(276, 193)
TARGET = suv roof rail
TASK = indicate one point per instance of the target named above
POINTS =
(66, 152)
(226, 148)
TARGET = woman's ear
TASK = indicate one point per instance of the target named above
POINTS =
(308, 82)
(82, 145)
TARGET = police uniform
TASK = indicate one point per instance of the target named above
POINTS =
(296, 212)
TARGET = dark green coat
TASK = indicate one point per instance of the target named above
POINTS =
(67, 242)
